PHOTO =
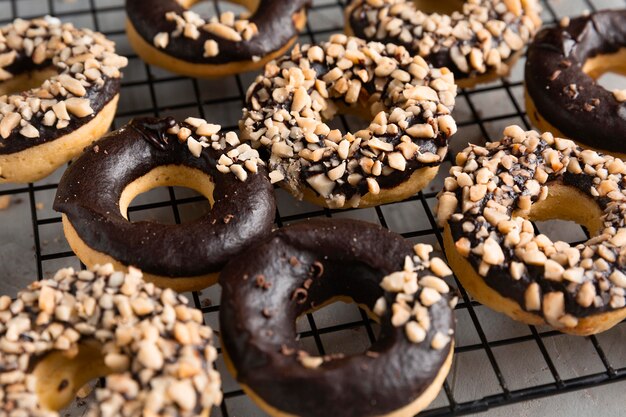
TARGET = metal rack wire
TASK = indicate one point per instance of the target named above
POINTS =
(477, 117)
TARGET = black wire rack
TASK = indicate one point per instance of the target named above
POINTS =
(482, 376)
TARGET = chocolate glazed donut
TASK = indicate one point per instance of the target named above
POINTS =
(165, 33)
(94, 194)
(562, 96)
(307, 265)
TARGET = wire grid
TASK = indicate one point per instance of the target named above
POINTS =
(482, 376)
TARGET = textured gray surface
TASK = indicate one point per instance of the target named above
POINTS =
(472, 376)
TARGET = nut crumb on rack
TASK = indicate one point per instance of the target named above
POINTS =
(5, 202)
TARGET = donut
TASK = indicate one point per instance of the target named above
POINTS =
(153, 350)
(487, 205)
(59, 88)
(406, 102)
(308, 265)
(96, 190)
(478, 43)
(562, 95)
(167, 34)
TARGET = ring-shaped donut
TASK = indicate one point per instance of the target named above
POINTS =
(489, 200)
(167, 34)
(478, 43)
(308, 265)
(154, 352)
(95, 192)
(562, 95)
(407, 102)
(59, 88)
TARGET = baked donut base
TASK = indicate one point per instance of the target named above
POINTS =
(38, 162)
(565, 203)
(91, 257)
(71, 369)
(409, 410)
(544, 126)
(163, 176)
(154, 56)
(414, 184)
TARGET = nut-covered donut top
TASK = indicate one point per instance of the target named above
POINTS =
(409, 101)
(184, 34)
(88, 73)
(158, 352)
(560, 282)
(567, 98)
(478, 39)
(243, 199)
(304, 266)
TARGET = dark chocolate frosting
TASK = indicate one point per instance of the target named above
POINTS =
(563, 94)
(273, 18)
(90, 191)
(330, 258)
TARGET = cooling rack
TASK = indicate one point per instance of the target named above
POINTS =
(498, 362)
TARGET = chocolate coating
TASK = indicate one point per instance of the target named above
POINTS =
(586, 112)
(274, 19)
(90, 191)
(355, 256)
(98, 96)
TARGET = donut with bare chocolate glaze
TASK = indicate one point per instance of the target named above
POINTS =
(167, 34)
(95, 192)
(305, 266)
(562, 95)
(59, 88)
(479, 42)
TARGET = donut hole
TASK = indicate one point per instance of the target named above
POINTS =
(569, 204)
(356, 118)
(241, 8)
(439, 6)
(335, 299)
(168, 176)
(608, 70)
(352, 340)
(26, 81)
(60, 374)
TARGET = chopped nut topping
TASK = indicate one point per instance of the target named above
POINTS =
(495, 236)
(479, 38)
(411, 297)
(136, 338)
(287, 109)
(236, 158)
(620, 95)
(190, 25)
